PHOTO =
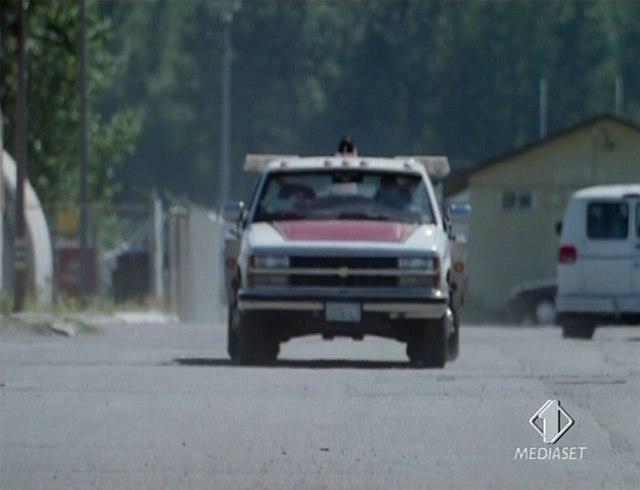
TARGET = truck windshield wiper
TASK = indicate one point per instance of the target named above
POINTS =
(280, 216)
(367, 216)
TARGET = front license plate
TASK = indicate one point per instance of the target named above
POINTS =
(343, 312)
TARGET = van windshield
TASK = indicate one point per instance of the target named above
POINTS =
(345, 194)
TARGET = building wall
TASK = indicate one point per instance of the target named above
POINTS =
(512, 246)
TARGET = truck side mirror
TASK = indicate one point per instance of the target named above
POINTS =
(446, 221)
(232, 211)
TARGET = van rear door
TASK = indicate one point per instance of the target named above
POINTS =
(610, 248)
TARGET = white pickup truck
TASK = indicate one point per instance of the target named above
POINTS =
(343, 246)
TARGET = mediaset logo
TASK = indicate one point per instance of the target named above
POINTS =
(551, 421)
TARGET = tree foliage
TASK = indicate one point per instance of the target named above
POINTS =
(53, 95)
(455, 78)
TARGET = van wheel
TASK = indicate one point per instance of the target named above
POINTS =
(574, 327)
(578, 331)
(427, 345)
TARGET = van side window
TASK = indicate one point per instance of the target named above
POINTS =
(608, 220)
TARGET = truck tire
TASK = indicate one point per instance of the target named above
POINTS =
(576, 327)
(255, 344)
(232, 332)
(453, 342)
(427, 345)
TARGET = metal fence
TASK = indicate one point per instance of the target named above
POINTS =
(120, 245)
(151, 254)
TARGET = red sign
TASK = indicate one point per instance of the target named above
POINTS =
(68, 277)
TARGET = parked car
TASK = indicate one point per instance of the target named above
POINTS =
(599, 260)
(534, 302)
(343, 246)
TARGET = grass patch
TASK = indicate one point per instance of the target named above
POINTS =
(13, 324)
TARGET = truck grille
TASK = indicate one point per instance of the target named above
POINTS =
(337, 262)
(333, 280)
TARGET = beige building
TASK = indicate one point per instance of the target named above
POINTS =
(517, 199)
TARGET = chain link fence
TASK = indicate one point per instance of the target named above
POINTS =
(145, 255)
(120, 243)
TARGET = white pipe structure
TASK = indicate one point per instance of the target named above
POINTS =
(40, 255)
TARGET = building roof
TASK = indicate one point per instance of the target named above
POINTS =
(553, 137)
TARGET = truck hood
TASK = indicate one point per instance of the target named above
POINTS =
(345, 231)
(334, 232)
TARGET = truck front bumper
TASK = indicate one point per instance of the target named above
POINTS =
(430, 305)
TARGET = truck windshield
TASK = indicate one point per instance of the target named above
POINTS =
(345, 194)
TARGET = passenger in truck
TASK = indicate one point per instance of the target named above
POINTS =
(390, 194)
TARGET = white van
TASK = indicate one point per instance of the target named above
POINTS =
(599, 260)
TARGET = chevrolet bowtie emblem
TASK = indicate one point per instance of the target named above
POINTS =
(343, 272)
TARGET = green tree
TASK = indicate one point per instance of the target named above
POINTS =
(457, 78)
(53, 71)
(171, 59)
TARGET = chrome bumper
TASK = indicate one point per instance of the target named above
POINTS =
(393, 309)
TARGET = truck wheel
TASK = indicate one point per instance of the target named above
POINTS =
(453, 343)
(428, 344)
(575, 327)
(232, 332)
(256, 345)
(249, 338)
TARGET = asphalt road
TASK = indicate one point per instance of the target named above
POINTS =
(160, 407)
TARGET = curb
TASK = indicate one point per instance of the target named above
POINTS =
(70, 325)
(63, 327)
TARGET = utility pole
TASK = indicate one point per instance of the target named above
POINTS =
(20, 239)
(619, 96)
(84, 171)
(225, 135)
(543, 108)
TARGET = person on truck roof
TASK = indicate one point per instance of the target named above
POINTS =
(347, 146)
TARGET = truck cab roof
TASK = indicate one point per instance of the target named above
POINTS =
(435, 166)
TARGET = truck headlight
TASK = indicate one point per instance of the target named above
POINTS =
(417, 263)
(270, 262)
